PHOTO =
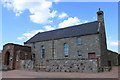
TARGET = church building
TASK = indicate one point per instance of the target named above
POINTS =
(79, 41)
(72, 49)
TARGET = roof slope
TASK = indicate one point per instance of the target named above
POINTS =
(76, 30)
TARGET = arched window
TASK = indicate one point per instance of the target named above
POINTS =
(42, 51)
(66, 50)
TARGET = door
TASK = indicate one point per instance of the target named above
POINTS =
(91, 55)
(7, 58)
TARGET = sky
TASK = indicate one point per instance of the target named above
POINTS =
(22, 19)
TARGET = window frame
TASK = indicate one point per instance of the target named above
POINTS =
(33, 56)
(66, 50)
(42, 51)
(79, 53)
(33, 45)
(79, 40)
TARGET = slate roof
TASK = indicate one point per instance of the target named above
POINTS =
(76, 30)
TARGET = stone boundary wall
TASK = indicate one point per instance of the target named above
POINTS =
(72, 65)
(26, 64)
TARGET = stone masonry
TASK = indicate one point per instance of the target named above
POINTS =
(13, 54)
(89, 44)
(113, 57)
(79, 48)
(26, 64)
(72, 65)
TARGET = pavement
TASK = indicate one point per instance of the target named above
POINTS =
(32, 74)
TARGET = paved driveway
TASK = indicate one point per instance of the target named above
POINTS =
(31, 74)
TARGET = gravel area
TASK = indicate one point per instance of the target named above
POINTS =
(31, 74)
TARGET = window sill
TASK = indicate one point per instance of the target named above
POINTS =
(79, 44)
(65, 57)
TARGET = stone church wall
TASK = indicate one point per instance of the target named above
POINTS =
(72, 65)
(89, 44)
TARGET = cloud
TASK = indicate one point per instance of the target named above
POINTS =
(56, 0)
(50, 21)
(18, 14)
(114, 43)
(71, 21)
(63, 15)
(39, 9)
(20, 38)
(94, 18)
(53, 14)
(49, 28)
(30, 34)
(85, 21)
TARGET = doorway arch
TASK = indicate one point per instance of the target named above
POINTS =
(7, 58)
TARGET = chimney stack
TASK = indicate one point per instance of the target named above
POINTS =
(100, 16)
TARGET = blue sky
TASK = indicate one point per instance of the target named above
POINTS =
(21, 20)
